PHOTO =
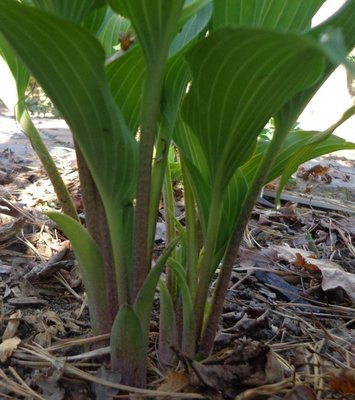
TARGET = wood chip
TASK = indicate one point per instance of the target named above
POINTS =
(27, 301)
(49, 268)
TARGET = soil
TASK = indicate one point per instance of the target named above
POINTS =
(287, 330)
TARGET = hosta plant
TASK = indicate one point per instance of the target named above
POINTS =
(131, 77)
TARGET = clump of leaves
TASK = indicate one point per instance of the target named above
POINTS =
(208, 75)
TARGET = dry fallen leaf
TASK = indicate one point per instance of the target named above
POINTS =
(175, 382)
(303, 262)
(293, 256)
(7, 347)
(44, 338)
(53, 318)
(333, 274)
(249, 258)
(244, 363)
(342, 381)
(314, 172)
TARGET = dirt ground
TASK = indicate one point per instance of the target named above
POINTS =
(287, 330)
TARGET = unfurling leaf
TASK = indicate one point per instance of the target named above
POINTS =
(128, 351)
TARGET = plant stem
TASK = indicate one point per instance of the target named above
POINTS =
(120, 240)
(204, 267)
(96, 224)
(191, 234)
(46, 159)
(169, 211)
(158, 173)
(150, 114)
(231, 253)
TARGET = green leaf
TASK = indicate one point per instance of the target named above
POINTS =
(342, 21)
(95, 19)
(286, 15)
(13, 76)
(128, 352)
(332, 43)
(127, 73)
(193, 159)
(91, 269)
(154, 22)
(231, 101)
(176, 81)
(191, 7)
(294, 144)
(126, 79)
(75, 10)
(190, 148)
(174, 164)
(232, 207)
(193, 27)
(144, 301)
(72, 74)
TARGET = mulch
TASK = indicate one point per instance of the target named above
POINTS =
(287, 330)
